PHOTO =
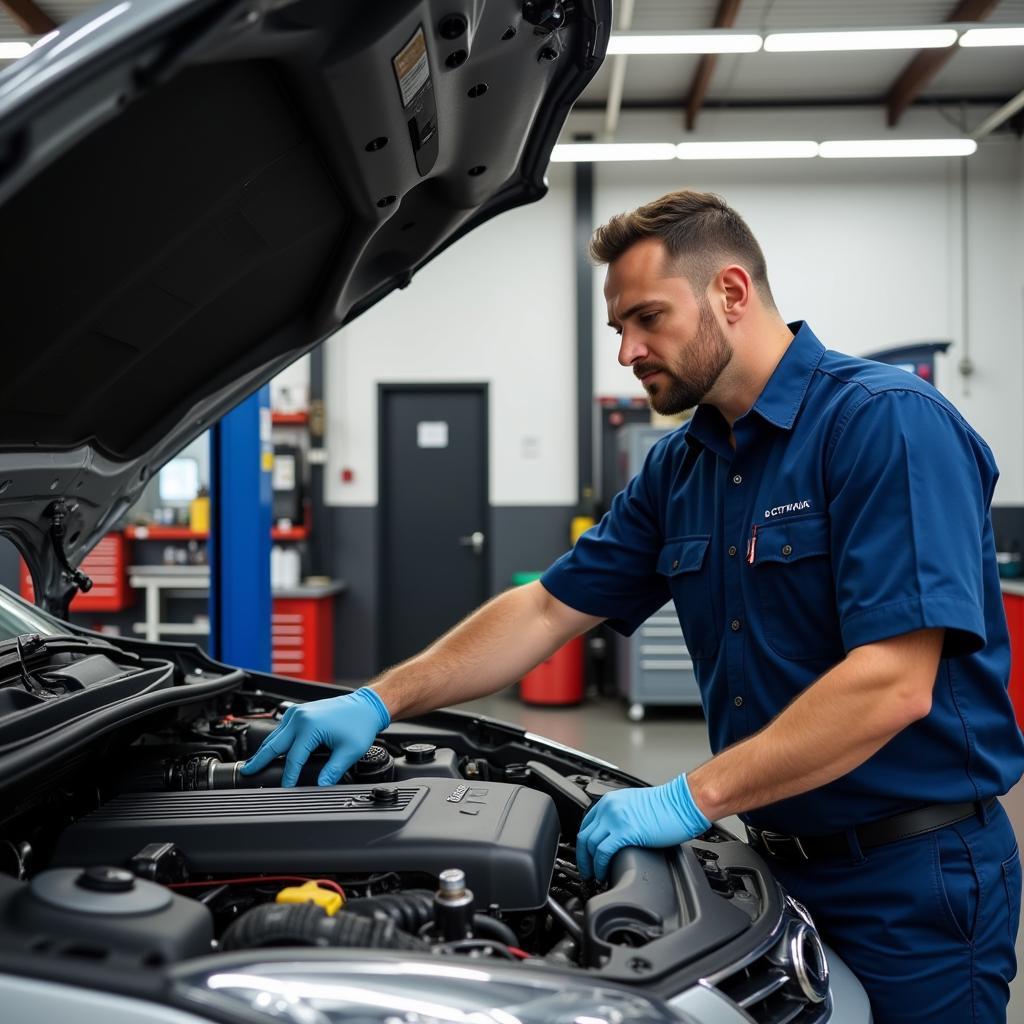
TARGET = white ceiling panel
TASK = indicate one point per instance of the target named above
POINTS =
(980, 72)
(808, 76)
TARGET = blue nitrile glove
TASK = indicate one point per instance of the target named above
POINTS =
(347, 726)
(653, 816)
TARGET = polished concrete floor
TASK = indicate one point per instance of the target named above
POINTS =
(668, 741)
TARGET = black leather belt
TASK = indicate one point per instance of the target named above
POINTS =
(780, 846)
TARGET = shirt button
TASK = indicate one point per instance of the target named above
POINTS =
(675, 564)
(737, 479)
(735, 624)
(787, 549)
(732, 550)
(738, 701)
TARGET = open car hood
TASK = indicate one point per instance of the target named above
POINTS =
(193, 193)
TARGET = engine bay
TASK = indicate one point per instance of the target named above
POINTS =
(453, 835)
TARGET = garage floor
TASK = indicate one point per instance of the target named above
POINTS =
(668, 741)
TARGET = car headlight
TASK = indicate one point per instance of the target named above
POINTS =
(348, 990)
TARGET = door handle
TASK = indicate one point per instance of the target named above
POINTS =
(474, 541)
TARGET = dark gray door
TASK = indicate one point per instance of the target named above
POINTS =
(433, 501)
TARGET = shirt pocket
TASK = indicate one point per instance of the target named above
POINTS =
(684, 563)
(796, 590)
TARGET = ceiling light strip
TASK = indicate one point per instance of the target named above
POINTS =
(881, 148)
(886, 39)
(601, 152)
(579, 152)
(674, 43)
(1007, 35)
(10, 50)
(746, 150)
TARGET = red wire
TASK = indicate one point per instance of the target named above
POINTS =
(521, 953)
(328, 882)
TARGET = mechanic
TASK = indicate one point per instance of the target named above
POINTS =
(822, 525)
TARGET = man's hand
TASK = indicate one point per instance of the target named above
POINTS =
(655, 816)
(345, 725)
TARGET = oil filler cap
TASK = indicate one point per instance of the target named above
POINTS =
(106, 879)
(384, 794)
(420, 753)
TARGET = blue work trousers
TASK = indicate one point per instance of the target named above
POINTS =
(927, 924)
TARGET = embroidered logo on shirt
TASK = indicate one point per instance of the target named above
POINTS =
(781, 510)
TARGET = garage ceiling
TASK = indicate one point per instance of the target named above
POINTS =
(989, 76)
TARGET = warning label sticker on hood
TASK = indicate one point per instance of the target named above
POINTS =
(411, 67)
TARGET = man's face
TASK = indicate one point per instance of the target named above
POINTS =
(670, 337)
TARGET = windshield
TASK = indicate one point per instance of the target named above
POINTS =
(18, 617)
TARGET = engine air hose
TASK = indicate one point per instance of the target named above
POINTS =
(305, 924)
(409, 910)
(414, 909)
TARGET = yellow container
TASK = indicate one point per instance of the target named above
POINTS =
(199, 513)
(579, 526)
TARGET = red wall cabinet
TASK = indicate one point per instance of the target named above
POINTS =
(106, 565)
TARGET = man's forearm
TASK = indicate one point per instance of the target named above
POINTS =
(835, 725)
(496, 645)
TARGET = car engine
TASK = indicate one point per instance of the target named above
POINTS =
(133, 841)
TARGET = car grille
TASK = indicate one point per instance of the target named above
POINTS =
(787, 983)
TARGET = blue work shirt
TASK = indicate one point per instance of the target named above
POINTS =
(854, 507)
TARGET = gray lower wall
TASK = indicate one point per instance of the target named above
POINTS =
(522, 539)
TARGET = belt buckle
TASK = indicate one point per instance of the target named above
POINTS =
(787, 845)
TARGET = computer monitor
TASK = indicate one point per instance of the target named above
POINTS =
(178, 481)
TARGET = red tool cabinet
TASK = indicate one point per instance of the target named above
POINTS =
(106, 565)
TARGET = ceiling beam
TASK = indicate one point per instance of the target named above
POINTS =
(724, 18)
(928, 63)
(28, 14)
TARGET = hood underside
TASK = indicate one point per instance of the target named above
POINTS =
(193, 193)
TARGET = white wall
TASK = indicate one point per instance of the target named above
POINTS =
(870, 252)
(498, 306)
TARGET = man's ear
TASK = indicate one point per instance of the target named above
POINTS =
(734, 289)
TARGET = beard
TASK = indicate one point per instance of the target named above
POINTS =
(694, 371)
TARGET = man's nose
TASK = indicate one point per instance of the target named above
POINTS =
(631, 347)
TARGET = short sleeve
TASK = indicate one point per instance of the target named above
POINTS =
(611, 572)
(910, 485)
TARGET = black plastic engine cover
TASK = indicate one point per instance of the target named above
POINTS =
(503, 836)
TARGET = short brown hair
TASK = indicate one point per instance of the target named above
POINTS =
(700, 232)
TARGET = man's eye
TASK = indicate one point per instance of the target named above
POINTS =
(649, 318)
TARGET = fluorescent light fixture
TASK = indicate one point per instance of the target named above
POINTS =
(746, 150)
(585, 152)
(896, 147)
(886, 39)
(1009, 35)
(12, 51)
(648, 43)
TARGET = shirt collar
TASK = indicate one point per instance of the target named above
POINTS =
(782, 396)
(780, 399)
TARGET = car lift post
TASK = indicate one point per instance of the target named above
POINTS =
(241, 461)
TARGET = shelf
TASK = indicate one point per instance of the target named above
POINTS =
(289, 419)
(291, 533)
(162, 533)
(184, 533)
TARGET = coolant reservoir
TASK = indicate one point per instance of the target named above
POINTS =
(104, 912)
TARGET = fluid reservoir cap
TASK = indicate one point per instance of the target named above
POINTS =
(62, 888)
(384, 794)
(420, 753)
(106, 879)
